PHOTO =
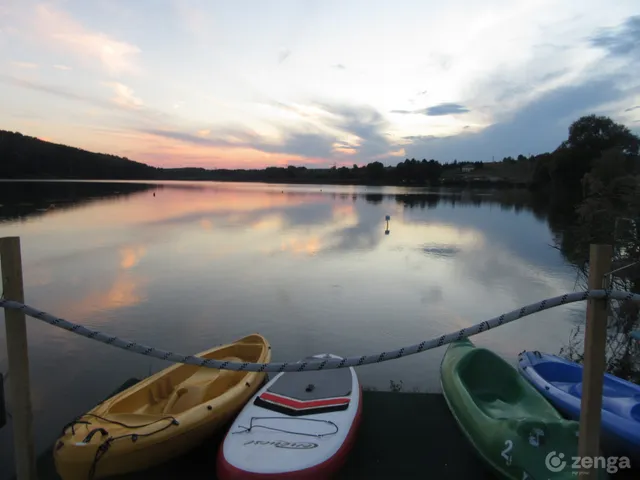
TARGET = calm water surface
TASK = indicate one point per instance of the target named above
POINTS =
(310, 267)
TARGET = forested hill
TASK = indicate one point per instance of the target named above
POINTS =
(592, 141)
(28, 157)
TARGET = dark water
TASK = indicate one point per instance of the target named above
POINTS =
(310, 267)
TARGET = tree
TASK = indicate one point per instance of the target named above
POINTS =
(610, 213)
(595, 134)
(375, 171)
(589, 137)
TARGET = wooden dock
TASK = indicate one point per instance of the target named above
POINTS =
(402, 435)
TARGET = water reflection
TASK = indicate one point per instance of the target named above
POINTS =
(310, 267)
(21, 200)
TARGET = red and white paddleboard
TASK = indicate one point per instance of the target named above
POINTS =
(298, 426)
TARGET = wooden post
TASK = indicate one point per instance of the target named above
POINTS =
(594, 358)
(18, 353)
(3, 408)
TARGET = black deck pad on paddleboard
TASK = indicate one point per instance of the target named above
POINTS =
(324, 384)
(308, 393)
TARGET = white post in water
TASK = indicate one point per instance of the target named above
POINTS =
(18, 353)
(595, 337)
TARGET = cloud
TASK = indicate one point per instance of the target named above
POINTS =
(196, 19)
(62, 67)
(445, 109)
(324, 139)
(621, 41)
(283, 55)
(54, 90)
(25, 65)
(115, 56)
(436, 110)
(365, 123)
(313, 145)
(632, 108)
(124, 96)
(405, 112)
(123, 101)
(339, 66)
(536, 127)
(187, 137)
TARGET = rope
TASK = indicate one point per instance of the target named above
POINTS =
(327, 363)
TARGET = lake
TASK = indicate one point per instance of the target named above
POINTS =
(184, 266)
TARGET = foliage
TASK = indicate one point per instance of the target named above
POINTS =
(589, 137)
(395, 386)
(610, 213)
(27, 157)
(560, 171)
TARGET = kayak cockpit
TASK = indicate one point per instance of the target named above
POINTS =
(185, 388)
(617, 396)
(498, 395)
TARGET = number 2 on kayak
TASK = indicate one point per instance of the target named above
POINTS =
(507, 451)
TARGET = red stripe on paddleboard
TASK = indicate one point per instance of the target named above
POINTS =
(301, 404)
(321, 471)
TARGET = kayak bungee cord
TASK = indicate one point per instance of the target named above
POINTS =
(103, 448)
(320, 364)
(78, 420)
(315, 435)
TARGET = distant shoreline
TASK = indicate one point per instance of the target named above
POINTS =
(471, 184)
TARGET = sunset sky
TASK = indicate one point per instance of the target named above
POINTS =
(247, 84)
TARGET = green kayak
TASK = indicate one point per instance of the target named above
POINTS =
(512, 426)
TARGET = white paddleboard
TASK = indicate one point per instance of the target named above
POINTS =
(299, 425)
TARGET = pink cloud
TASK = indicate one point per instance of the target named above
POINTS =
(124, 96)
(115, 56)
(25, 65)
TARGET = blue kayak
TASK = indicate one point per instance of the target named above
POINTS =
(560, 381)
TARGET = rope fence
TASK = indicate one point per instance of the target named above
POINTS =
(324, 364)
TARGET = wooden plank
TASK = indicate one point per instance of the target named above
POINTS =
(18, 354)
(594, 358)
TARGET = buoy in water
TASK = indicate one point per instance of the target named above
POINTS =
(387, 218)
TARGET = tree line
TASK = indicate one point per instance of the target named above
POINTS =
(589, 137)
(27, 157)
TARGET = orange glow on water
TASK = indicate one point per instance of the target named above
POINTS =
(130, 256)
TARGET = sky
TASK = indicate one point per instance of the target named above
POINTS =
(248, 84)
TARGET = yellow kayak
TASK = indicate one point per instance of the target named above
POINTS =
(160, 417)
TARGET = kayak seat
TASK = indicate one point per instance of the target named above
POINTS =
(554, 372)
(204, 385)
(566, 387)
(497, 394)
